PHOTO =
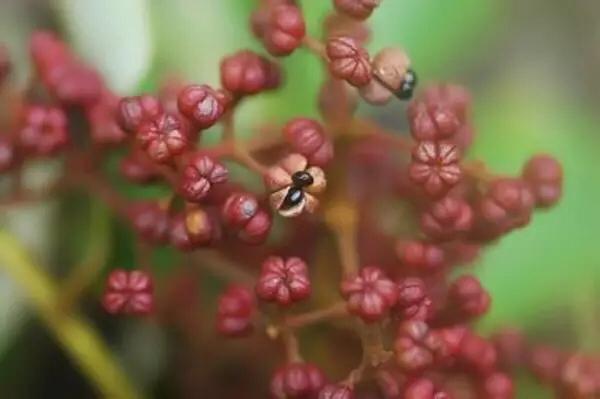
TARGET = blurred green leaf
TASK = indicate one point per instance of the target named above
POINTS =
(113, 35)
(436, 34)
(534, 271)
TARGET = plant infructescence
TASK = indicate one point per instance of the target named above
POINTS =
(404, 212)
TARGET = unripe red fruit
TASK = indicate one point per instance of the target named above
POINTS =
(43, 130)
(545, 363)
(239, 208)
(103, 124)
(468, 297)
(413, 347)
(429, 122)
(580, 378)
(202, 227)
(370, 294)
(133, 111)
(297, 381)
(545, 177)
(150, 221)
(478, 354)
(435, 166)
(257, 229)
(336, 392)
(234, 311)
(447, 219)
(241, 211)
(307, 137)
(8, 155)
(47, 50)
(73, 84)
(423, 388)
(128, 292)
(510, 346)
(359, 9)
(421, 256)
(497, 386)
(507, 204)
(283, 281)
(163, 137)
(199, 175)
(349, 61)
(284, 30)
(68, 80)
(202, 105)
(413, 301)
(245, 73)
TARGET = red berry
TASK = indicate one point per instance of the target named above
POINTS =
(234, 311)
(413, 347)
(202, 105)
(429, 122)
(202, 227)
(133, 111)
(510, 346)
(508, 204)
(163, 137)
(104, 128)
(435, 166)
(336, 392)
(545, 363)
(72, 83)
(8, 155)
(580, 378)
(43, 130)
(128, 292)
(370, 294)
(545, 177)
(447, 219)
(199, 175)
(257, 229)
(136, 170)
(242, 212)
(284, 29)
(150, 221)
(359, 9)
(239, 208)
(423, 388)
(478, 353)
(307, 137)
(468, 298)
(245, 73)
(68, 80)
(497, 386)
(297, 381)
(420, 255)
(283, 281)
(413, 301)
(348, 61)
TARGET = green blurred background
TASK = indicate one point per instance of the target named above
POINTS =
(532, 67)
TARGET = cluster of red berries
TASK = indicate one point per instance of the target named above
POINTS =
(412, 314)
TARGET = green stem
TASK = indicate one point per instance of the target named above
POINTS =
(72, 331)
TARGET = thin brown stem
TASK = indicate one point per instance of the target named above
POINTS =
(336, 310)
(222, 268)
(315, 46)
